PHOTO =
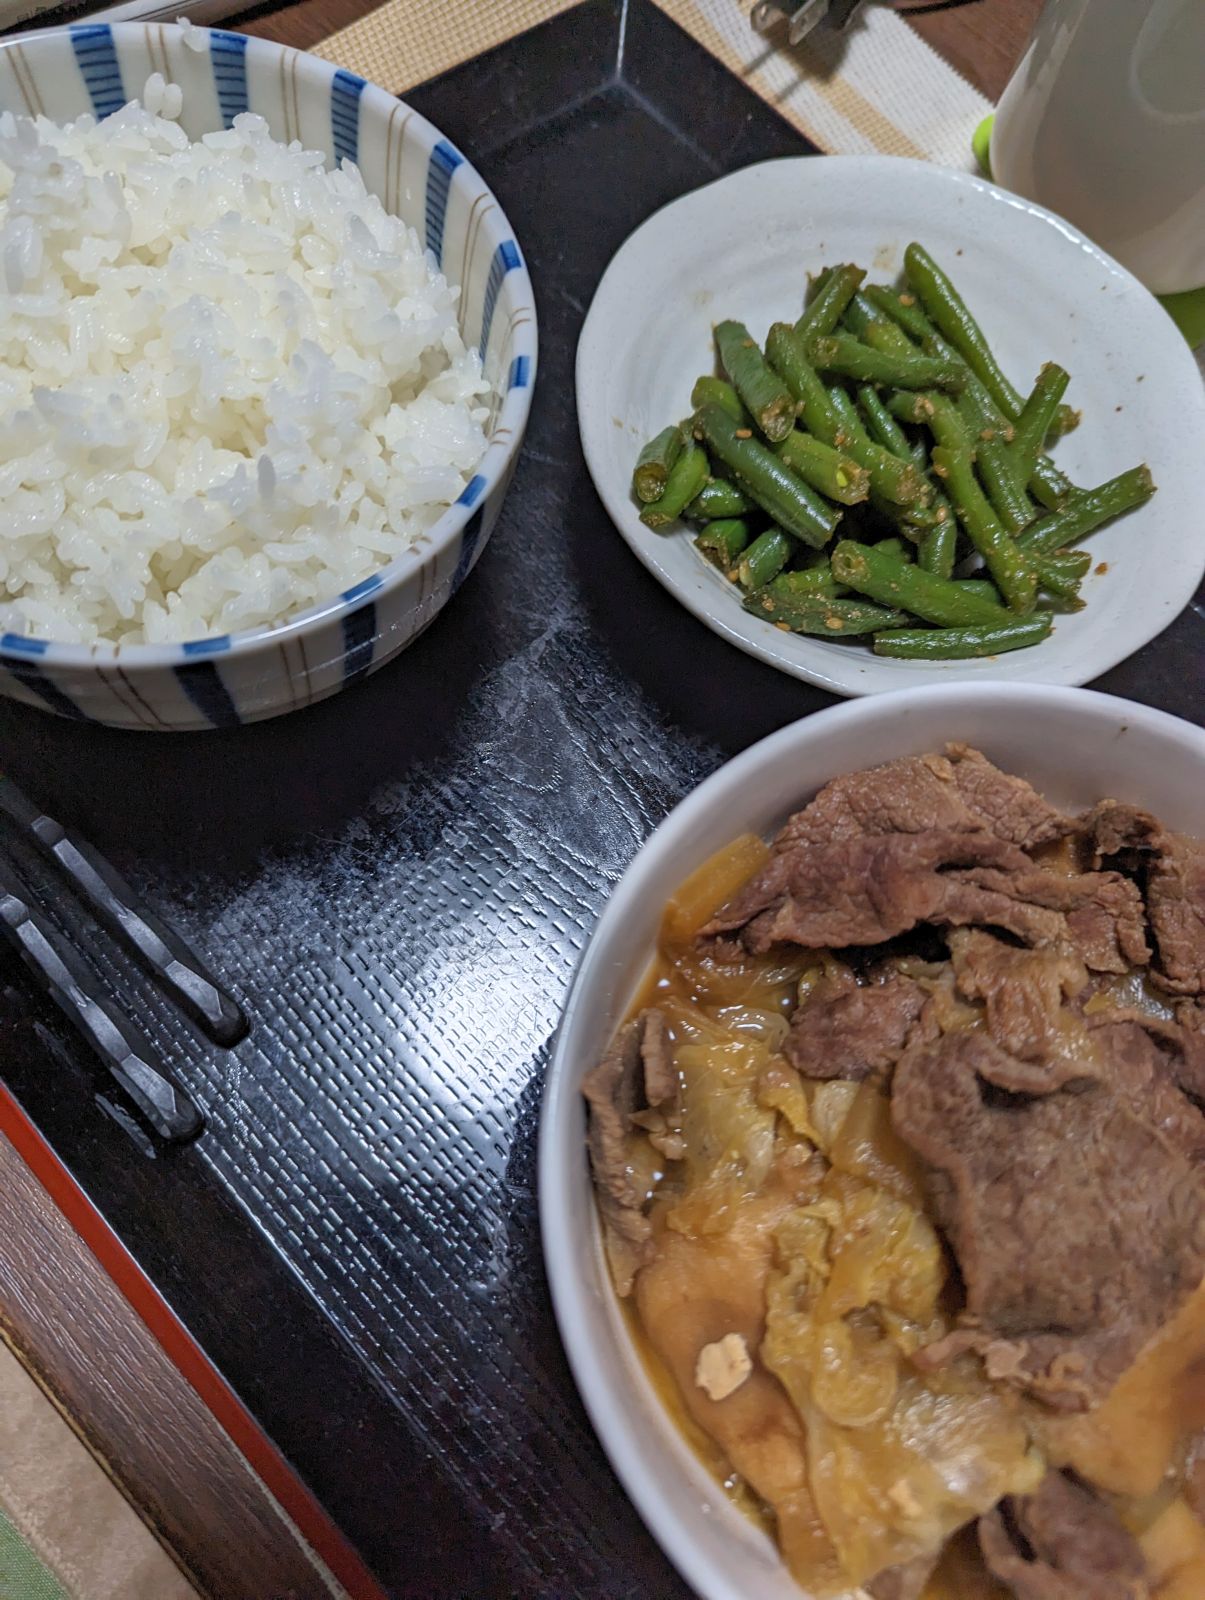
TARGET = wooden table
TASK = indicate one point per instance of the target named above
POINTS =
(981, 38)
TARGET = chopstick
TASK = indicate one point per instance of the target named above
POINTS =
(73, 988)
(161, 950)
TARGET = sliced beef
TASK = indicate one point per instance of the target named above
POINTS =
(1190, 1014)
(1006, 805)
(870, 888)
(1022, 990)
(1175, 899)
(1179, 1034)
(1189, 1066)
(1161, 1070)
(1062, 1543)
(1173, 868)
(1114, 828)
(635, 1073)
(902, 1583)
(1180, 1048)
(913, 795)
(944, 1011)
(855, 891)
(1078, 1223)
(1102, 911)
(657, 1060)
(1105, 921)
(857, 1033)
(960, 792)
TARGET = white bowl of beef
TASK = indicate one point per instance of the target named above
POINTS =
(1040, 916)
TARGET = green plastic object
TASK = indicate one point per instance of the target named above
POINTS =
(1186, 310)
(981, 143)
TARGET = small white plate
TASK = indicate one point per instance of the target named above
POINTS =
(742, 247)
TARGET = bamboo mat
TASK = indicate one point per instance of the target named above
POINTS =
(879, 87)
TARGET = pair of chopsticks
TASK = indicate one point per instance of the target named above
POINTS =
(75, 989)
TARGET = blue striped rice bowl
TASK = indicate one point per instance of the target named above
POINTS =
(418, 175)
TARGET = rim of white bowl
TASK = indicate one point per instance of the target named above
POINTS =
(492, 468)
(584, 1335)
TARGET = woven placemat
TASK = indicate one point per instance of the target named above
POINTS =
(878, 87)
(405, 42)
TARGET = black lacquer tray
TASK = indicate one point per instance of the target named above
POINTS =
(398, 883)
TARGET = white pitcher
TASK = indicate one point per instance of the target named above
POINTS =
(1104, 122)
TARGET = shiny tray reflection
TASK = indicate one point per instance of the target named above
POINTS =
(397, 885)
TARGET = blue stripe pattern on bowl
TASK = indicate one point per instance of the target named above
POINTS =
(506, 259)
(236, 678)
(359, 635)
(471, 492)
(444, 161)
(346, 90)
(365, 586)
(96, 53)
(202, 683)
(468, 551)
(207, 647)
(228, 52)
(45, 689)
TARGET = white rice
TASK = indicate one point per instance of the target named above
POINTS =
(231, 385)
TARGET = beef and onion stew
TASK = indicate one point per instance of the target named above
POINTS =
(901, 1167)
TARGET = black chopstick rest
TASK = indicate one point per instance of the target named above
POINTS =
(168, 959)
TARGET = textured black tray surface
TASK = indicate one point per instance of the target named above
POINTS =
(397, 885)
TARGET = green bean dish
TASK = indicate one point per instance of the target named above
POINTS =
(871, 473)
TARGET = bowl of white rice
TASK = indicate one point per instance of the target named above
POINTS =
(267, 347)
